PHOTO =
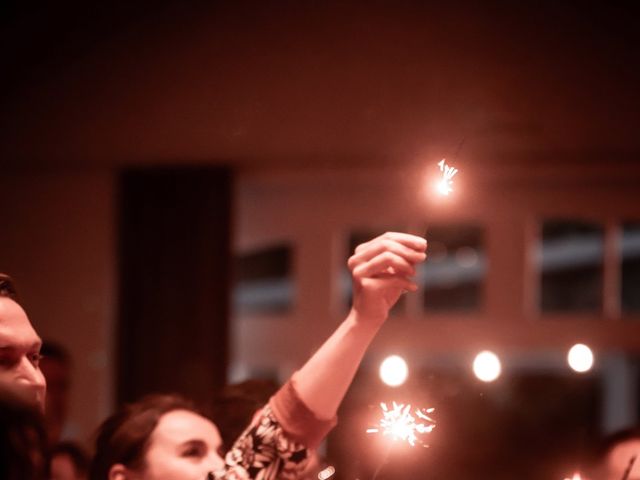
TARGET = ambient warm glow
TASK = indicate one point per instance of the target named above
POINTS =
(576, 476)
(486, 366)
(394, 371)
(580, 358)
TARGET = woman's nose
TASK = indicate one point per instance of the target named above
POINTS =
(215, 463)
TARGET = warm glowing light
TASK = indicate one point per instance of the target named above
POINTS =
(399, 424)
(486, 366)
(394, 371)
(580, 358)
(576, 476)
(444, 186)
(326, 473)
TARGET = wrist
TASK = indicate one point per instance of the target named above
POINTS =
(367, 320)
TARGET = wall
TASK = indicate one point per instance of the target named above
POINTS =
(58, 244)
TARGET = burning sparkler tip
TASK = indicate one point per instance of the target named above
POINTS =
(445, 185)
(399, 424)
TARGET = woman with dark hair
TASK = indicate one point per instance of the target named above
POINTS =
(68, 461)
(162, 437)
(124, 437)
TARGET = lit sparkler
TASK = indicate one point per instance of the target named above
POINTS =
(627, 472)
(399, 424)
(445, 184)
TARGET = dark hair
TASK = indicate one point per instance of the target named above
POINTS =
(7, 287)
(124, 436)
(78, 456)
(23, 440)
(234, 407)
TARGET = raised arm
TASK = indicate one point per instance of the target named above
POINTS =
(381, 269)
(302, 412)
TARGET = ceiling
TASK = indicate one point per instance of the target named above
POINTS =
(317, 83)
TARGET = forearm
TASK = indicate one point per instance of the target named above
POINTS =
(324, 380)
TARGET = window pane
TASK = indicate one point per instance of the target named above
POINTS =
(455, 270)
(263, 281)
(631, 267)
(570, 260)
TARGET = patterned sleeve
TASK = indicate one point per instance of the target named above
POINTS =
(264, 452)
(275, 445)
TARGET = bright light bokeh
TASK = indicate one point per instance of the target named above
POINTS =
(443, 187)
(326, 473)
(580, 358)
(486, 366)
(576, 476)
(394, 371)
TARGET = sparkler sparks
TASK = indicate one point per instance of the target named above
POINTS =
(400, 424)
(445, 184)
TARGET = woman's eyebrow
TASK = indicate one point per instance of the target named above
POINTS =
(194, 442)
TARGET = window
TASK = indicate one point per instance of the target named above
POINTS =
(263, 281)
(570, 260)
(630, 256)
(455, 270)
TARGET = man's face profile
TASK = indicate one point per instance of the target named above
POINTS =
(20, 351)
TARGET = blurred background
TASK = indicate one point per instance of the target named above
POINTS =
(183, 182)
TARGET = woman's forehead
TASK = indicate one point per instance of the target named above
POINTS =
(183, 425)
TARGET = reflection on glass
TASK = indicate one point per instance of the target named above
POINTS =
(263, 281)
(570, 260)
(455, 270)
(630, 252)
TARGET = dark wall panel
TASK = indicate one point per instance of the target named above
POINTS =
(175, 230)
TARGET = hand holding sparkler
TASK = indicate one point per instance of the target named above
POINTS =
(382, 269)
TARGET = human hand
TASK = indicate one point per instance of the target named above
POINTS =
(381, 271)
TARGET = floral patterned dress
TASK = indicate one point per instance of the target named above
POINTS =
(276, 444)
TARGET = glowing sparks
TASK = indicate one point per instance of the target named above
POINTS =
(445, 184)
(399, 424)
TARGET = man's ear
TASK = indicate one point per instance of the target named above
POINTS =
(119, 472)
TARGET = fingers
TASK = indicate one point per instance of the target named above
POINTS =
(386, 262)
(401, 283)
(391, 252)
(412, 242)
